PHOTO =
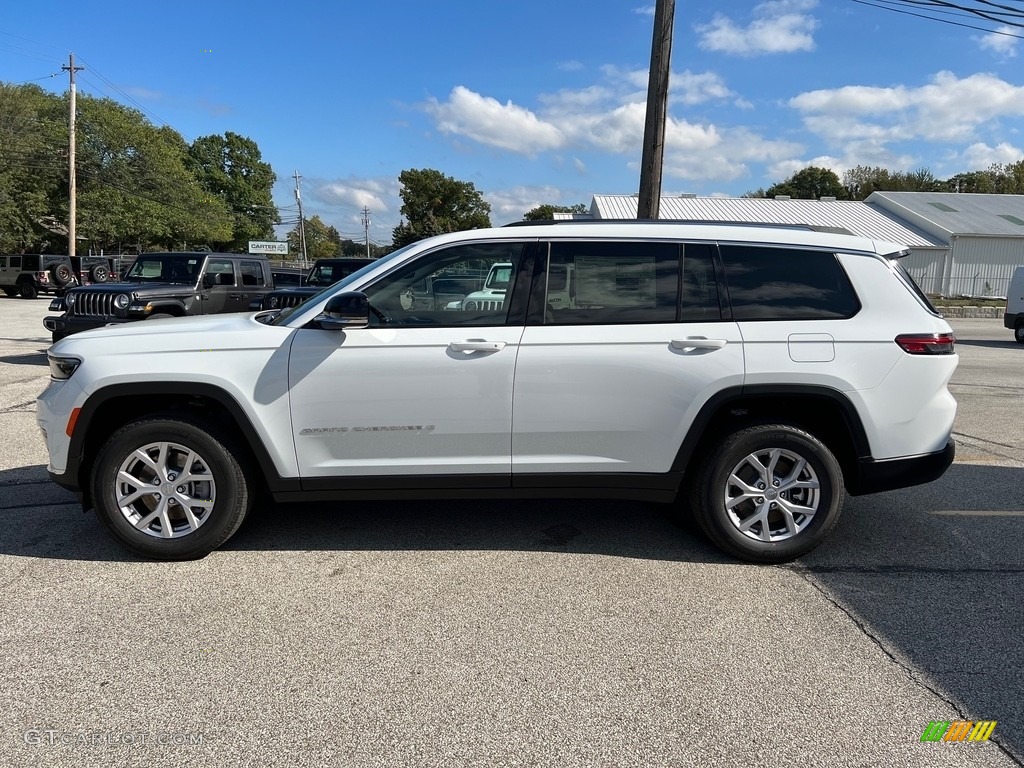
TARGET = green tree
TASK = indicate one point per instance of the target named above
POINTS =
(547, 212)
(135, 186)
(810, 183)
(33, 169)
(322, 241)
(861, 181)
(231, 168)
(976, 182)
(433, 204)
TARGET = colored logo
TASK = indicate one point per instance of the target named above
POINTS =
(958, 730)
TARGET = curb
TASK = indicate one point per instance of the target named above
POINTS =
(994, 313)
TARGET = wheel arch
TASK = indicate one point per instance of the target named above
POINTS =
(114, 406)
(175, 308)
(823, 412)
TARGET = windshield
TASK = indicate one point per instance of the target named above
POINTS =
(165, 268)
(498, 280)
(341, 285)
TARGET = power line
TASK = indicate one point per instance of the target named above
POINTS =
(1005, 19)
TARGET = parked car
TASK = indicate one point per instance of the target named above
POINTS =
(163, 285)
(29, 274)
(285, 277)
(324, 272)
(91, 269)
(1013, 317)
(749, 376)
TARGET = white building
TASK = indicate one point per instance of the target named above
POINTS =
(961, 244)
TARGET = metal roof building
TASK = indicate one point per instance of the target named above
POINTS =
(959, 243)
(984, 236)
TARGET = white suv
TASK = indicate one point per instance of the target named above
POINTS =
(748, 375)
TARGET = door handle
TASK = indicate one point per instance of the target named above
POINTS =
(476, 346)
(234, 295)
(698, 342)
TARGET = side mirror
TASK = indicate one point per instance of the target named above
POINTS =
(345, 311)
(209, 281)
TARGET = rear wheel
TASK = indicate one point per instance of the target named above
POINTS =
(1018, 333)
(170, 489)
(768, 493)
(62, 275)
(27, 289)
(100, 274)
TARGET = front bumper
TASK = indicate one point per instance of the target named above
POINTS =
(68, 325)
(1010, 320)
(875, 476)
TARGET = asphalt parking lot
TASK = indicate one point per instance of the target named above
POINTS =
(536, 634)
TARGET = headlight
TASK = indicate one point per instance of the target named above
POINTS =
(273, 301)
(469, 306)
(69, 298)
(122, 300)
(62, 367)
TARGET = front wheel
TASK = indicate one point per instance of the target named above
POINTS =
(768, 493)
(28, 290)
(169, 489)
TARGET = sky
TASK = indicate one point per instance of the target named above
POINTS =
(536, 102)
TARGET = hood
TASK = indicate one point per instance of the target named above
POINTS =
(142, 290)
(200, 332)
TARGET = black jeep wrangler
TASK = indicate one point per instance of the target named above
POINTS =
(324, 272)
(165, 285)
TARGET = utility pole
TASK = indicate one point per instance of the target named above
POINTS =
(72, 214)
(302, 222)
(366, 229)
(657, 100)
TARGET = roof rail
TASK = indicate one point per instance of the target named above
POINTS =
(652, 222)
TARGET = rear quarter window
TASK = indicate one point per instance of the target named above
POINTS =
(767, 283)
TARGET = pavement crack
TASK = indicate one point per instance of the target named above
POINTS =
(912, 674)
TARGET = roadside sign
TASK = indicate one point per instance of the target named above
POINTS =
(268, 246)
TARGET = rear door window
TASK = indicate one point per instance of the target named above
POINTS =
(768, 283)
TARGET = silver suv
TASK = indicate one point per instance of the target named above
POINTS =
(749, 376)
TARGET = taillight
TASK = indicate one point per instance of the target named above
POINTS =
(926, 343)
(42, 277)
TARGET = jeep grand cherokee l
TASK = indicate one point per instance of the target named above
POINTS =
(749, 376)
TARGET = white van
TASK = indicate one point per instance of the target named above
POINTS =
(1014, 315)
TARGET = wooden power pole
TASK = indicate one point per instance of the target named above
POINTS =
(72, 191)
(657, 100)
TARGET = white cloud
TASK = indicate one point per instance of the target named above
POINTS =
(981, 155)
(1003, 41)
(570, 66)
(780, 26)
(697, 87)
(511, 204)
(646, 10)
(490, 122)
(609, 117)
(946, 109)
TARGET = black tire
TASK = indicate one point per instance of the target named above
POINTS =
(62, 275)
(745, 457)
(99, 274)
(11, 292)
(218, 500)
(1018, 333)
(27, 289)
